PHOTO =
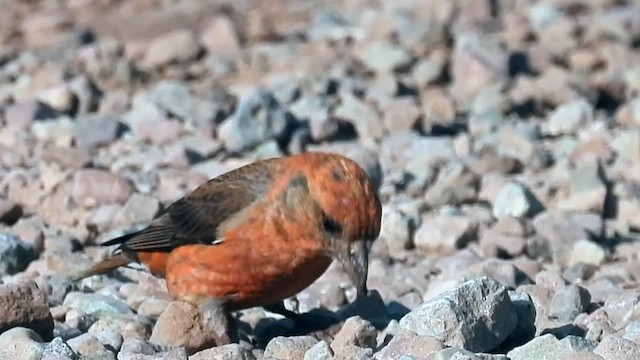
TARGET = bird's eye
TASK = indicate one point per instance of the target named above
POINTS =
(330, 225)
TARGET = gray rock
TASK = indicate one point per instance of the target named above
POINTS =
(23, 114)
(138, 209)
(177, 46)
(15, 254)
(90, 348)
(568, 302)
(24, 304)
(93, 131)
(96, 304)
(445, 234)
(57, 347)
(355, 332)
(289, 348)
(224, 352)
(561, 233)
(259, 117)
(175, 99)
(396, 230)
(384, 57)
(476, 316)
(517, 201)
(587, 188)
(364, 118)
(320, 351)
(455, 185)
(615, 347)
(567, 119)
(92, 187)
(548, 347)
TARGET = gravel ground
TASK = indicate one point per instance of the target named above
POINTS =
(504, 138)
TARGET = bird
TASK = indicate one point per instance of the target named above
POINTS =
(257, 235)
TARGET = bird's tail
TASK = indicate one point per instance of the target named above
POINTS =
(105, 266)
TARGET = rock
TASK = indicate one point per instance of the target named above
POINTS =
(94, 131)
(93, 187)
(138, 209)
(410, 344)
(548, 347)
(110, 339)
(96, 304)
(289, 348)
(587, 189)
(90, 348)
(400, 114)
(258, 117)
(56, 286)
(180, 324)
(396, 230)
(384, 57)
(363, 117)
(58, 348)
(158, 131)
(20, 116)
(128, 326)
(569, 302)
(561, 233)
(478, 61)
(439, 110)
(177, 46)
(444, 234)
(587, 252)
(455, 185)
(615, 347)
(24, 304)
(224, 352)
(568, 118)
(476, 316)
(15, 255)
(355, 332)
(320, 351)
(220, 37)
(517, 201)
(20, 343)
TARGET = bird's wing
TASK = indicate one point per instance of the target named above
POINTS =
(196, 218)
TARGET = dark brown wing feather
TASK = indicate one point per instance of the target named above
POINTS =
(196, 217)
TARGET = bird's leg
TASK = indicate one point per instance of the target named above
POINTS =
(218, 319)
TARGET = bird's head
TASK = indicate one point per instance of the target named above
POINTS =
(350, 212)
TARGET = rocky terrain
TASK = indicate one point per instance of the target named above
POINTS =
(504, 138)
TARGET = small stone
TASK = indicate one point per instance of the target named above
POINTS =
(127, 326)
(94, 131)
(158, 131)
(220, 37)
(180, 324)
(384, 57)
(587, 189)
(90, 348)
(439, 110)
(561, 234)
(549, 347)
(110, 339)
(568, 302)
(355, 332)
(444, 234)
(138, 209)
(15, 254)
(92, 187)
(289, 348)
(363, 117)
(615, 347)
(397, 230)
(455, 185)
(587, 252)
(21, 115)
(579, 272)
(24, 304)
(258, 117)
(410, 344)
(567, 119)
(58, 348)
(96, 304)
(178, 46)
(400, 114)
(476, 316)
(224, 352)
(320, 351)
(515, 200)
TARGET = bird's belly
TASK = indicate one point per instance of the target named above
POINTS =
(246, 278)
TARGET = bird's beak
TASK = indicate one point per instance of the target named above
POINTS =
(356, 264)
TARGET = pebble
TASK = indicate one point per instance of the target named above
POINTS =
(24, 304)
(93, 187)
(177, 46)
(481, 324)
(15, 254)
(444, 234)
